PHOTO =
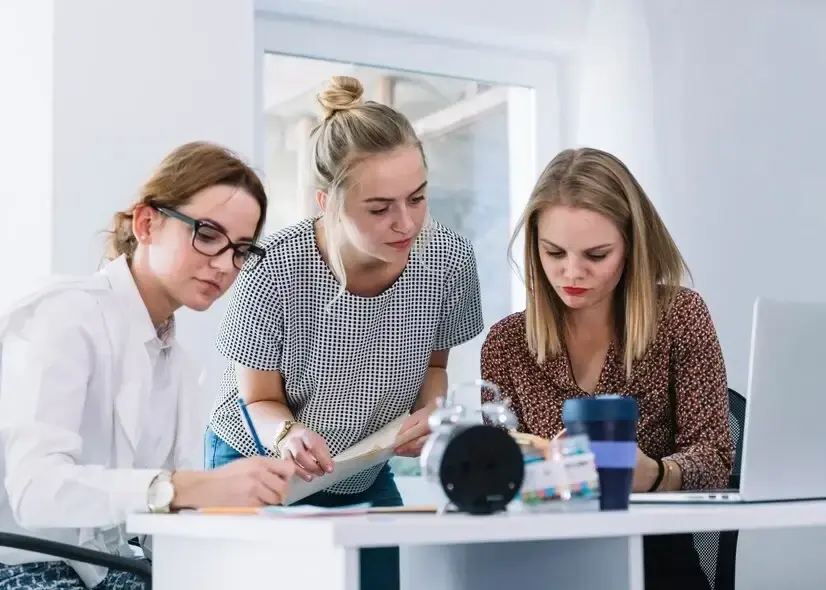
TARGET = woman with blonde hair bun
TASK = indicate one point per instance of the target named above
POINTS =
(606, 312)
(348, 322)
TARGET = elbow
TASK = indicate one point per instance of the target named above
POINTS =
(33, 493)
(27, 508)
(259, 386)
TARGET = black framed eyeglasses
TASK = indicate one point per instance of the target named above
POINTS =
(211, 241)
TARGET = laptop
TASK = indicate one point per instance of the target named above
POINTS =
(784, 436)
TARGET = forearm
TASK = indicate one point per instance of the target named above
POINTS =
(61, 495)
(434, 386)
(647, 475)
(701, 468)
(672, 477)
(268, 417)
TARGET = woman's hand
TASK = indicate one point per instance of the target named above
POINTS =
(248, 482)
(414, 432)
(307, 450)
(645, 472)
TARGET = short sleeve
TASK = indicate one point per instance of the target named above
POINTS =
(251, 331)
(462, 312)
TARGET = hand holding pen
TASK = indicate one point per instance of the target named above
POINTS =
(306, 450)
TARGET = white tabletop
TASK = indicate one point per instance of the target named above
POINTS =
(430, 529)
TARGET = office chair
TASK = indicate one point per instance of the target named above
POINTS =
(718, 550)
(71, 552)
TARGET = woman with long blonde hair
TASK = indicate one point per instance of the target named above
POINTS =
(606, 312)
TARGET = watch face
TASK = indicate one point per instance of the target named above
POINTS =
(161, 494)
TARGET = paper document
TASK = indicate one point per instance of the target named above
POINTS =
(376, 448)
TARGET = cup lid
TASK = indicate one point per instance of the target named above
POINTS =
(599, 408)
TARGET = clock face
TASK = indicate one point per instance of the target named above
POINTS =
(161, 494)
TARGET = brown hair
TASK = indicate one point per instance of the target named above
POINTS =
(352, 129)
(182, 174)
(654, 268)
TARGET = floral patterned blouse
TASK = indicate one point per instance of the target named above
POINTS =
(680, 387)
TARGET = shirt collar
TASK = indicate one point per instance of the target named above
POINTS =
(123, 284)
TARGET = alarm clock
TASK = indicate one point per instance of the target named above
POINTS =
(471, 454)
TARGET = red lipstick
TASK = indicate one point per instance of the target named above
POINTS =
(575, 291)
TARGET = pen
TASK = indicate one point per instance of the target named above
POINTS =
(245, 413)
(229, 510)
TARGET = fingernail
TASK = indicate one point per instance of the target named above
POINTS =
(308, 477)
(329, 468)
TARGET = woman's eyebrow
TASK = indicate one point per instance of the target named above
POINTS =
(419, 189)
(221, 228)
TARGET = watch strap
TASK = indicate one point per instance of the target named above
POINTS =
(286, 426)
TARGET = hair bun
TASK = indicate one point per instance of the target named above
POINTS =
(343, 93)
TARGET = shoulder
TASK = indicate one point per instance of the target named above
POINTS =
(62, 313)
(686, 305)
(688, 315)
(443, 248)
(507, 332)
(285, 250)
(289, 243)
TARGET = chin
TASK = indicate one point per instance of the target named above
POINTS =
(198, 301)
(574, 302)
(394, 255)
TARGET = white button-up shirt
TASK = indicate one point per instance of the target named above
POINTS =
(93, 403)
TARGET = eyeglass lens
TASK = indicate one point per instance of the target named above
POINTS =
(211, 242)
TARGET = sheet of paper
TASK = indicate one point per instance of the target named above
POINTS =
(352, 510)
(372, 450)
(310, 511)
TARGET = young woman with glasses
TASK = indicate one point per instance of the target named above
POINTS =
(97, 399)
(347, 323)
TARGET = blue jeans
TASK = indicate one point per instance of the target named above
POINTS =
(379, 567)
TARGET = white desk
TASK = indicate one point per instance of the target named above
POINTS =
(586, 550)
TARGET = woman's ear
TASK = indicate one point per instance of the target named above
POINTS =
(321, 199)
(143, 219)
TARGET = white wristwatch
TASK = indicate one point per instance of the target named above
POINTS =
(161, 493)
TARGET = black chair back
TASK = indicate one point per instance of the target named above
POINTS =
(718, 550)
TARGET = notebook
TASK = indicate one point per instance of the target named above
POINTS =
(370, 451)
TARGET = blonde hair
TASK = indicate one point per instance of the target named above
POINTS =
(184, 172)
(351, 131)
(654, 268)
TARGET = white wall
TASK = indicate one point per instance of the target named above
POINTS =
(612, 99)
(739, 96)
(129, 82)
(26, 49)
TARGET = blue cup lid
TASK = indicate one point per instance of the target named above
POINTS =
(599, 409)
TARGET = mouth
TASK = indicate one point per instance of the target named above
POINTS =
(575, 291)
(401, 245)
(210, 284)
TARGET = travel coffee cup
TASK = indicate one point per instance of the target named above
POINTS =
(610, 421)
